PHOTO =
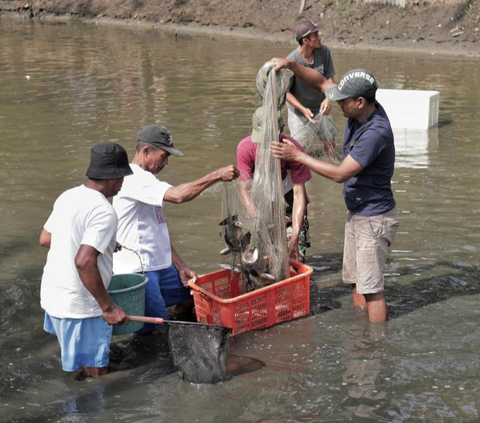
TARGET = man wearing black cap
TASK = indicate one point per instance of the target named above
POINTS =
(81, 235)
(142, 225)
(366, 171)
(305, 104)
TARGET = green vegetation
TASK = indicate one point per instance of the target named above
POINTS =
(350, 11)
(472, 10)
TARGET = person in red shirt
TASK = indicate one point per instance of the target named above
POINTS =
(294, 176)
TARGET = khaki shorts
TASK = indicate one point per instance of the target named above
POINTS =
(367, 239)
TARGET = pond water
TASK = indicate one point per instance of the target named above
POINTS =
(66, 87)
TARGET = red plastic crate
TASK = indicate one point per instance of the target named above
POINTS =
(218, 300)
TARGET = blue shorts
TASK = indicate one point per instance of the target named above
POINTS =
(83, 342)
(164, 289)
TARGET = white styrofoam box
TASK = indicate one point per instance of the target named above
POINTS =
(413, 109)
(413, 146)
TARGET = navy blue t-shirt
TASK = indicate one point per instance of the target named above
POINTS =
(369, 193)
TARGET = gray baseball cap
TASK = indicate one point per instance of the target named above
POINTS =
(159, 136)
(355, 83)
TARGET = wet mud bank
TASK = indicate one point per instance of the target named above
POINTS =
(425, 26)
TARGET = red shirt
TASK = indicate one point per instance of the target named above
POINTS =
(247, 151)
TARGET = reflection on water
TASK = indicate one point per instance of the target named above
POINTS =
(412, 146)
(66, 87)
(363, 368)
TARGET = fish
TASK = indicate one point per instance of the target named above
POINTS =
(232, 233)
(225, 251)
(267, 276)
(249, 257)
(230, 267)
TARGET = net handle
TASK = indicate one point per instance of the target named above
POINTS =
(145, 319)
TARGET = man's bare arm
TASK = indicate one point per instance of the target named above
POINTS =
(183, 270)
(190, 190)
(87, 267)
(310, 76)
(45, 238)
(298, 212)
(338, 173)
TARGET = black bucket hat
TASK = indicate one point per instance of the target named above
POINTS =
(108, 161)
(159, 136)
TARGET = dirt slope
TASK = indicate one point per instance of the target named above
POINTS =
(447, 26)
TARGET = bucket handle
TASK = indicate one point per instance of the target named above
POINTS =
(139, 258)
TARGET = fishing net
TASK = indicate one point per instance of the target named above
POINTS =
(199, 351)
(312, 135)
(254, 227)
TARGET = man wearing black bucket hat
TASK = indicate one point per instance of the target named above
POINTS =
(142, 225)
(81, 236)
(366, 171)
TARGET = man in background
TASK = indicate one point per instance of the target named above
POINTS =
(308, 109)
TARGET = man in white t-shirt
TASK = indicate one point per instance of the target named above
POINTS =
(81, 236)
(142, 226)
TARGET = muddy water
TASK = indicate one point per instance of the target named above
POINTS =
(64, 88)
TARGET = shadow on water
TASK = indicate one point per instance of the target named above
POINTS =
(240, 365)
(30, 354)
(32, 361)
(459, 279)
(31, 357)
(134, 360)
(326, 299)
(16, 299)
(462, 280)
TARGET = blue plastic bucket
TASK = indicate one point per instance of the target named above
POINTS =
(128, 292)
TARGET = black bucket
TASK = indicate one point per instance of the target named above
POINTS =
(199, 351)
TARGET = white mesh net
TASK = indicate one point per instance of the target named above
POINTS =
(312, 136)
(254, 227)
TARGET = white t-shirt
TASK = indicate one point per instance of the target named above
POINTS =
(80, 216)
(141, 223)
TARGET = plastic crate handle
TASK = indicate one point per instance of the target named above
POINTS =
(295, 268)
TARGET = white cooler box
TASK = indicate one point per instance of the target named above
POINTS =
(411, 109)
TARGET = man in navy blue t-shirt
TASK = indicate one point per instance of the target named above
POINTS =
(366, 171)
